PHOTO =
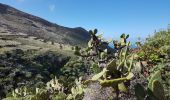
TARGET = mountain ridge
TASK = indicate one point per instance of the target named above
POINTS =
(19, 21)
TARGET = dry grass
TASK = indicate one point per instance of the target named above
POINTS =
(30, 43)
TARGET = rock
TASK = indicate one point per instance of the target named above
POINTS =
(137, 67)
(96, 92)
(144, 63)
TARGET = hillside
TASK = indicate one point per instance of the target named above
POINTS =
(33, 50)
(14, 21)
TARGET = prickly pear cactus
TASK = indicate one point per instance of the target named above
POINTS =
(116, 66)
(123, 39)
(54, 86)
(158, 90)
(155, 90)
(76, 91)
(139, 91)
(155, 76)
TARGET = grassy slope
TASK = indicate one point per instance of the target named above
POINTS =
(10, 42)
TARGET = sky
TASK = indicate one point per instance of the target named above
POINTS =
(139, 18)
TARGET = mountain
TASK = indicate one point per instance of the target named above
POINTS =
(16, 21)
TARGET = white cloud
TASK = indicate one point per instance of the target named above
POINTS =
(51, 7)
(20, 0)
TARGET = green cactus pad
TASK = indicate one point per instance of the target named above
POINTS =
(95, 31)
(122, 87)
(99, 75)
(139, 92)
(158, 90)
(112, 82)
(127, 36)
(155, 76)
(111, 65)
(130, 76)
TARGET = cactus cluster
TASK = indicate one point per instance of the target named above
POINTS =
(113, 67)
(54, 86)
(76, 91)
(24, 93)
(116, 68)
(19, 92)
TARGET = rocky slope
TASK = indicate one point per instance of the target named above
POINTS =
(16, 21)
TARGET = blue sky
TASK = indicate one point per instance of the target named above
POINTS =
(139, 18)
